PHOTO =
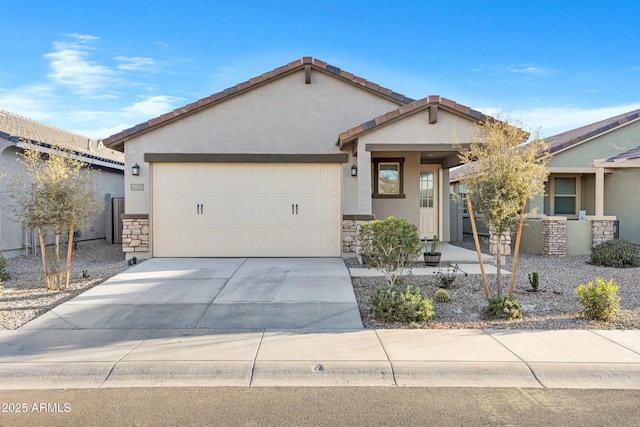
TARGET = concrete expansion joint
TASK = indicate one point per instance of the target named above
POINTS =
(255, 358)
(519, 358)
(595, 332)
(106, 377)
(393, 374)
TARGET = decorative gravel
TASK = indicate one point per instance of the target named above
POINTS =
(554, 306)
(25, 296)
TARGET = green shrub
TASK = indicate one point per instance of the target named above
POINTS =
(534, 280)
(448, 277)
(397, 303)
(391, 246)
(442, 296)
(504, 307)
(615, 253)
(599, 302)
(4, 274)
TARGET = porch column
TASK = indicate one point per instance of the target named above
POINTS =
(364, 181)
(599, 192)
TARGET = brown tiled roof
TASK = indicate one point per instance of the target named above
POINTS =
(409, 109)
(566, 139)
(15, 128)
(632, 154)
(115, 140)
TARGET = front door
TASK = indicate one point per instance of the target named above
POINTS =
(428, 202)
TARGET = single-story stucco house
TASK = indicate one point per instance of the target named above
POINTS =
(14, 239)
(288, 164)
(592, 193)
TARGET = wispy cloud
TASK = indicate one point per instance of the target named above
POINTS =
(555, 120)
(70, 66)
(151, 107)
(526, 70)
(135, 63)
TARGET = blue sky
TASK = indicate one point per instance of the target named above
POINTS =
(96, 68)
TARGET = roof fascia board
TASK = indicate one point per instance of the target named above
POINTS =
(400, 117)
(97, 161)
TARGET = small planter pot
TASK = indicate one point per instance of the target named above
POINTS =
(432, 260)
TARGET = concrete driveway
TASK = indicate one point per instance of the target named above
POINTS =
(216, 293)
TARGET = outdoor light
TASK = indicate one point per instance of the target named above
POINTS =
(135, 170)
(354, 170)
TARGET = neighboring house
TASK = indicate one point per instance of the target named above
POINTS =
(288, 164)
(14, 239)
(594, 171)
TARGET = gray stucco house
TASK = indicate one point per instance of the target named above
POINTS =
(288, 164)
(14, 239)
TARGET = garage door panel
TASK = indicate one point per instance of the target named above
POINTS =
(228, 209)
(214, 180)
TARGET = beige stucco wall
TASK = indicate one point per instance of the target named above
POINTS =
(415, 129)
(283, 116)
(11, 233)
(409, 207)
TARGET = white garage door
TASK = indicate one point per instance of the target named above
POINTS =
(246, 209)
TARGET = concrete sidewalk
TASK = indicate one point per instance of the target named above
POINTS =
(407, 357)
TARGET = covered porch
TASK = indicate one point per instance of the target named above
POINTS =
(400, 165)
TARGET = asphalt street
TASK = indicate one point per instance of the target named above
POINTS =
(321, 406)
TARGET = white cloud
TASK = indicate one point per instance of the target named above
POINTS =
(37, 102)
(526, 70)
(151, 107)
(555, 120)
(71, 67)
(135, 63)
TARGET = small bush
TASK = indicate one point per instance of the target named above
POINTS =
(600, 302)
(4, 274)
(503, 307)
(442, 296)
(392, 246)
(397, 303)
(615, 253)
(448, 277)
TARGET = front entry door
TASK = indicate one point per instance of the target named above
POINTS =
(428, 202)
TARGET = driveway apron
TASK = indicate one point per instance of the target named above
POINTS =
(216, 293)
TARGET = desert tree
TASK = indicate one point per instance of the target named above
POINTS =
(503, 173)
(57, 195)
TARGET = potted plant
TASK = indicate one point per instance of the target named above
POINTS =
(432, 258)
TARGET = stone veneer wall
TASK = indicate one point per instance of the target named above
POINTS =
(554, 236)
(505, 242)
(601, 231)
(135, 233)
(350, 226)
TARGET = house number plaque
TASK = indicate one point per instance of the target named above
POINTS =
(137, 187)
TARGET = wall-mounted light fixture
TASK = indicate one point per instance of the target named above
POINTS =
(135, 170)
(354, 170)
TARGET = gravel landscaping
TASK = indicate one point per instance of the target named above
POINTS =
(554, 306)
(25, 296)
